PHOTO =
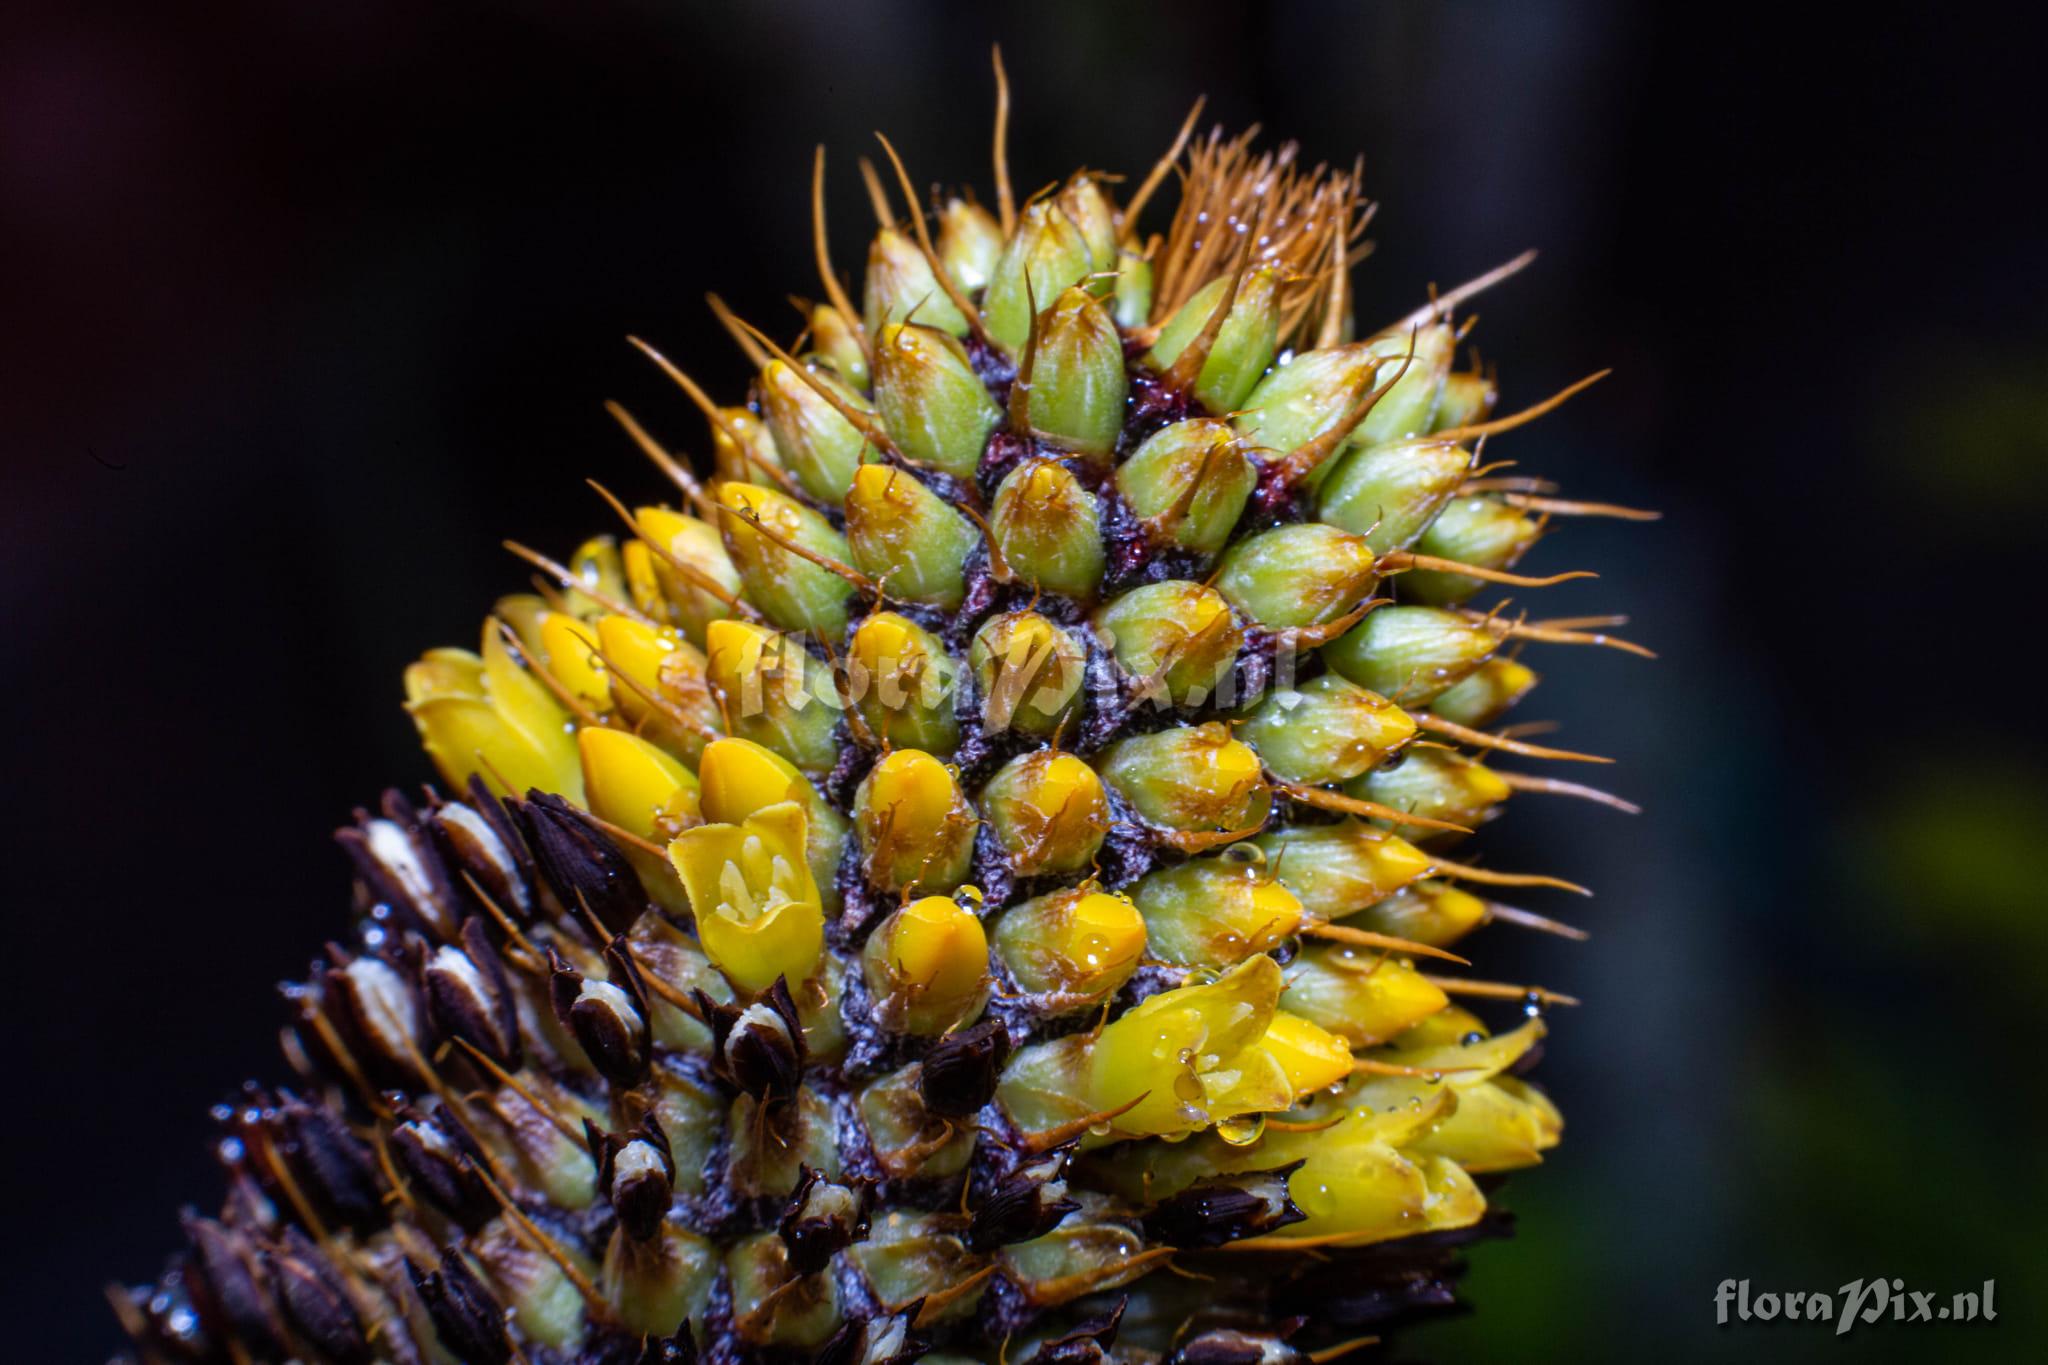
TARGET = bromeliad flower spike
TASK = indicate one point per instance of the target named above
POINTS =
(967, 875)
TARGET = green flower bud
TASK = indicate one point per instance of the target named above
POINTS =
(1390, 493)
(1216, 911)
(1481, 531)
(911, 1256)
(1045, 524)
(1436, 784)
(916, 828)
(1468, 397)
(1406, 409)
(1043, 258)
(1189, 481)
(1030, 673)
(1431, 912)
(543, 1302)
(1486, 693)
(743, 449)
(1411, 653)
(1177, 640)
(1077, 387)
(1089, 209)
(793, 592)
(1338, 870)
(767, 1310)
(1306, 396)
(1327, 730)
(934, 405)
(901, 287)
(772, 692)
(1194, 779)
(970, 242)
(902, 1130)
(1048, 812)
(658, 1287)
(1306, 574)
(1244, 345)
(1360, 994)
(833, 338)
(900, 678)
(898, 528)
(1133, 290)
(1080, 944)
(771, 1144)
(817, 443)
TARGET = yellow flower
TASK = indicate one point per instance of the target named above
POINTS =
(757, 908)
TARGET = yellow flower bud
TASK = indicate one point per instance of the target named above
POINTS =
(657, 682)
(1359, 993)
(1030, 673)
(916, 827)
(757, 907)
(740, 777)
(1197, 779)
(570, 648)
(1049, 812)
(772, 692)
(1079, 944)
(1338, 870)
(900, 677)
(701, 589)
(927, 966)
(634, 785)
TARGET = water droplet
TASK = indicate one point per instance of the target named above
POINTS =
(1099, 1129)
(971, 894)
(1245, 855)
(1242, 1130)
(1475, 1036)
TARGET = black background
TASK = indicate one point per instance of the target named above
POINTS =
(319, 301)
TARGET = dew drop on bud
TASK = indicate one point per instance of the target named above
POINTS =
(1242, 1130)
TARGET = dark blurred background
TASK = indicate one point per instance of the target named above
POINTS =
(314, 303)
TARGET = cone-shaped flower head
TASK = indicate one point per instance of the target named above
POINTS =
(983, 849)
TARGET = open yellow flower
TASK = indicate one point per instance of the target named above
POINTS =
(757, 908)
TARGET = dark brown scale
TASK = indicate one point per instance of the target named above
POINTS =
(466, 1315)
(1213, 1212)
(582, 863)
(231, 1287)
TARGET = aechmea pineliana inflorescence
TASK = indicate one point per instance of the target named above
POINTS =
(968, 874)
